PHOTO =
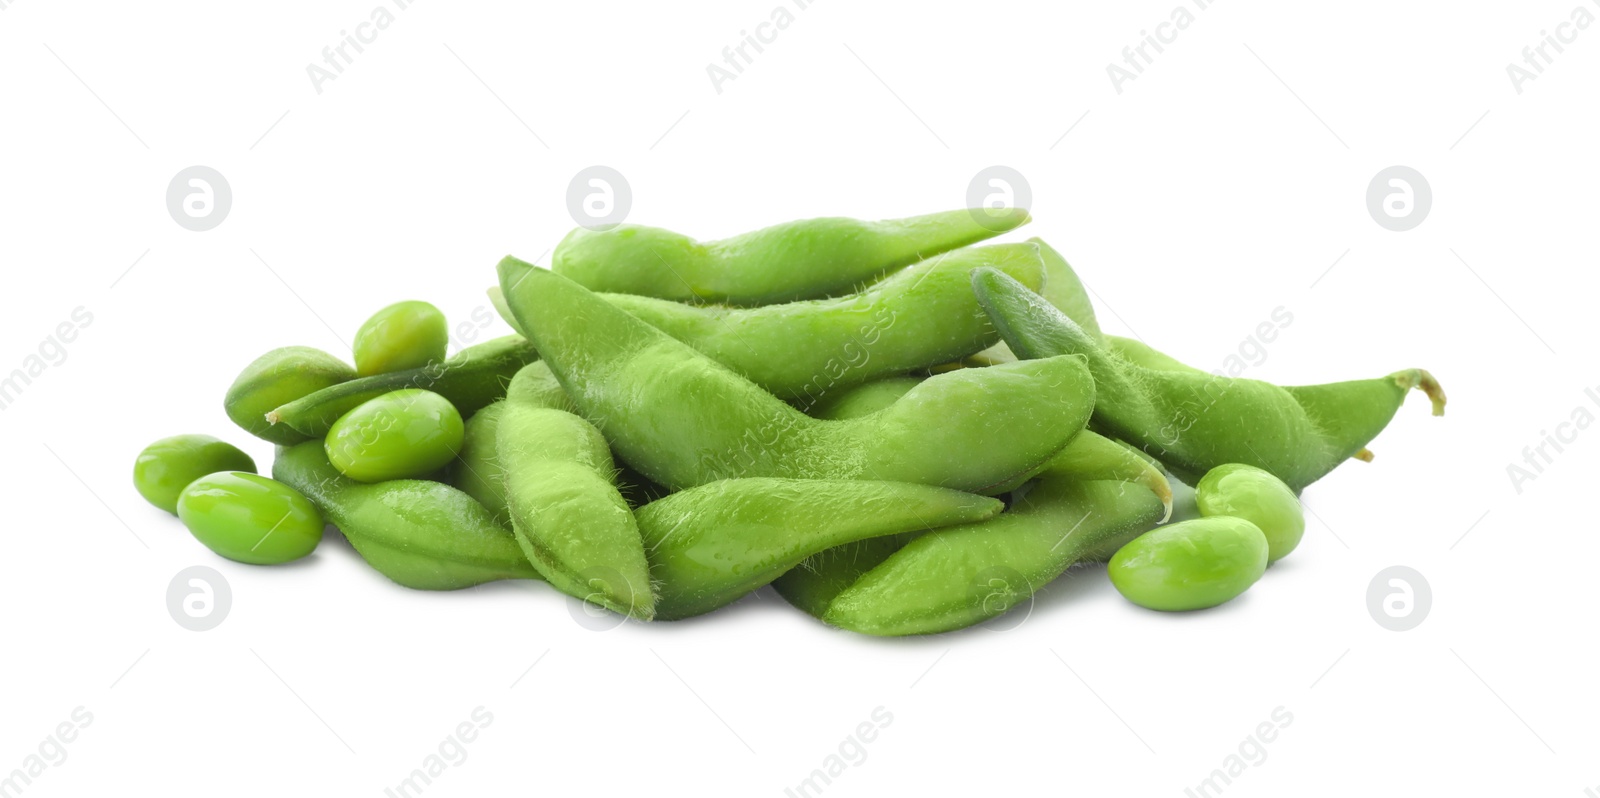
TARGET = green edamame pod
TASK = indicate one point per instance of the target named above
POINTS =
(682, 419)
(420, 534)
(1088, 457)
(1193, 422)
(1066, 291)
(472, 380)
(1190, 565)
(955, 577)
(863, 399)
(813, 584)
(278, 378)
(1142, 354)
(803, 351)
(569, 517)
(711, 544)
(477, 470)
(405, 335)
(795, 260)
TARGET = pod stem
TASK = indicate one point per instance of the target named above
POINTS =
(1421, 379)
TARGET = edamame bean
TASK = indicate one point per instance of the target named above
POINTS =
(1190, 565)
(472, 380)
(683, 420)
(795, 260)
(569, 517)
(711, 544)
(167, 466)
(1247, 492)
(249, 518)
(399, 435)
(955, 577)
(477, 470)
(405, 335)
(803, 351)
(1192, 421)
(278, 378)
(420, 534)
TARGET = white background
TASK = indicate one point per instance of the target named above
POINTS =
(1227, 180)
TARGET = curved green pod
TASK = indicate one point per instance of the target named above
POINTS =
(569, 517)
(477, 470)
(682, 419)
(1192, 421)
(278, 378)
(794, 260)
(958, 576)
(712, 544)
(420, 534)
(803, 351)
(472, 379)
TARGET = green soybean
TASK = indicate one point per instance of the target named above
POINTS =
(682, 419)
(1192, 421)
(803, 351)
(400, 435)
(813, 584)
(405, 335)
(1190, 565)
(472, 379)
(795, 260)
(167, 466)
(1247, 492)
(571, 521)
(958, 576)
(711, 544)
(278, 378)
(477, 470)
(418, 533)
(249, 518)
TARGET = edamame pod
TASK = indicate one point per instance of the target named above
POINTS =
(420, 534)
(1089, 456)
(711, 544)
(477, 470)
(1192, 421)
(795, 260)
(813, 584)
(278, 378)
(473, 379)
(569, 517)
(955, 577)
(682, 419)
(803, 351)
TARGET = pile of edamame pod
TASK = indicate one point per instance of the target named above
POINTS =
(902, 430)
